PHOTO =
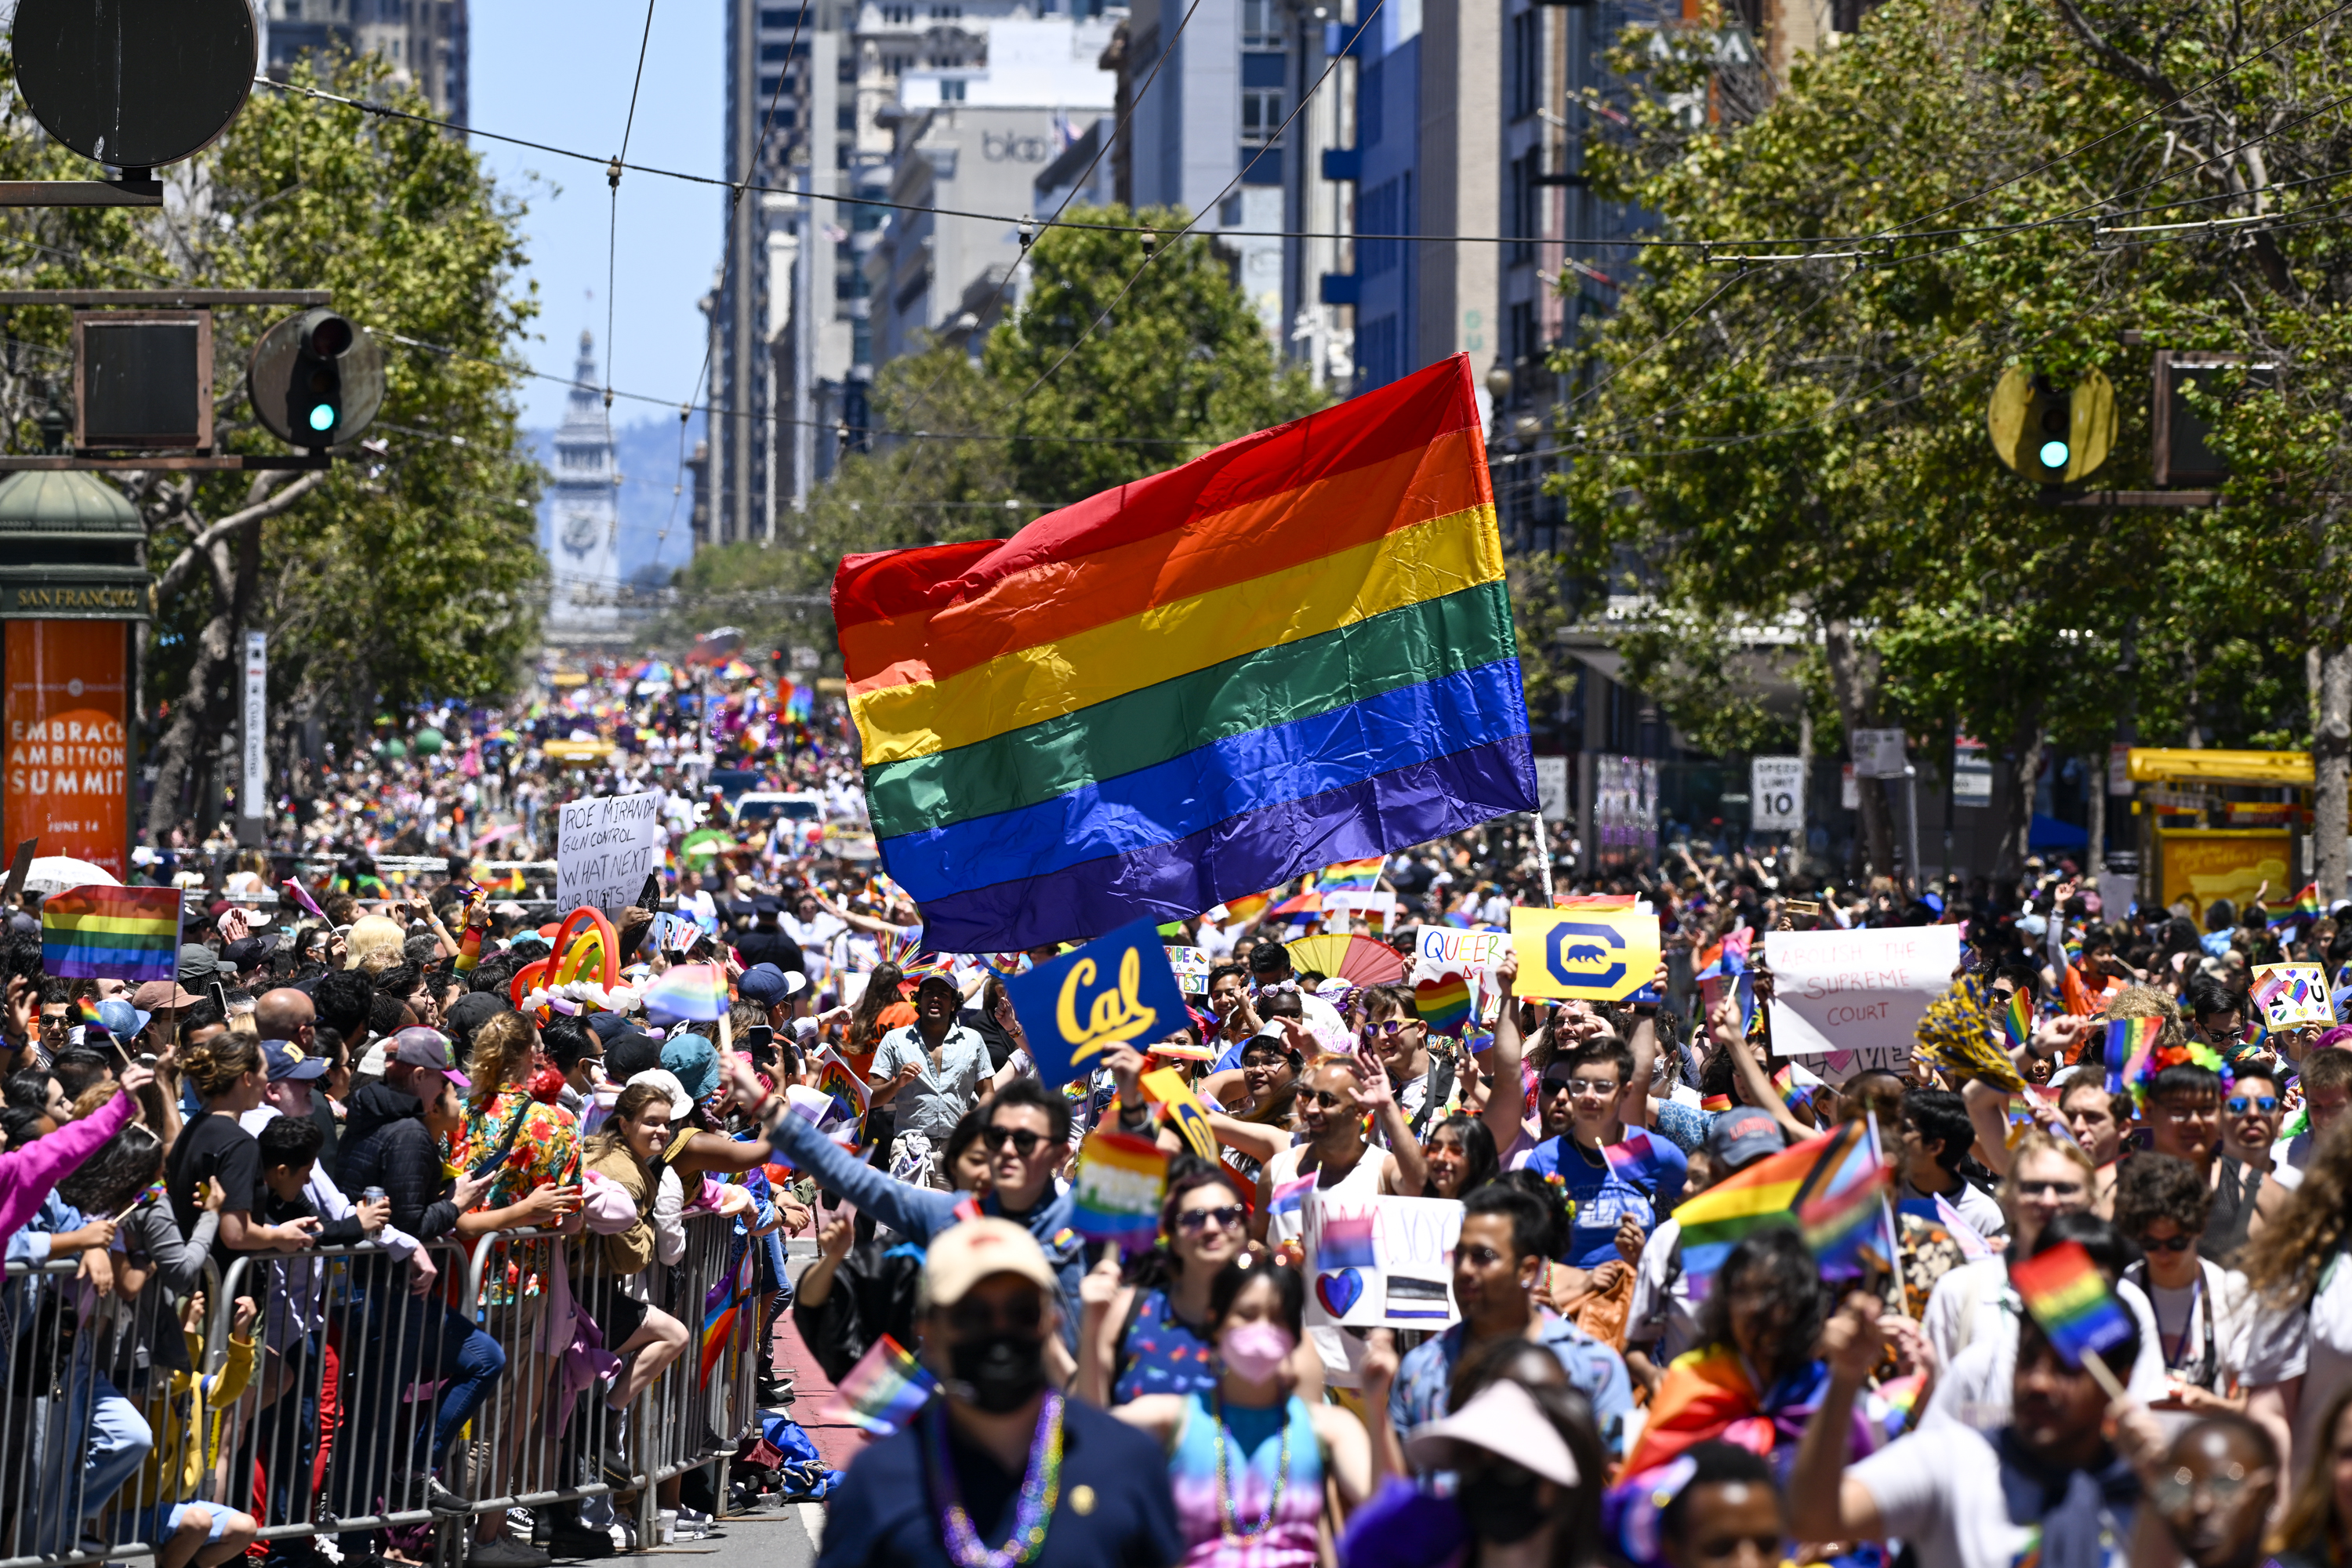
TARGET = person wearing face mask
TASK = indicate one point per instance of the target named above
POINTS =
(1247, 1456)
(1148, 1331)
(999, 1468)
(1525, 1471)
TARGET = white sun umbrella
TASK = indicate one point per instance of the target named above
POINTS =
(55, 873)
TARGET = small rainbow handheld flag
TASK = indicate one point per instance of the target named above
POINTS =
(1351, 875)
(1242, 911)
(1775, 1191)
(1116, 1195)
(2069, 1298)
(692, 991)
(838, 1079)
(2016, 1019)
(113, 934)
(2128, 1042)
(884, 1392)
(2304, 910)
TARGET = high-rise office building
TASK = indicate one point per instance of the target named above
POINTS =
(424, 41)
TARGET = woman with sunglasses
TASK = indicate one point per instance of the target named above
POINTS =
(2202, 1310)
(1249, 1460)
(1147, 1331)
(2250, 1115)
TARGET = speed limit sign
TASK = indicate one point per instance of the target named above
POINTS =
(1777, 793)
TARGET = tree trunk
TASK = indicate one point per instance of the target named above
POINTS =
(2095, 798)
(190, 743)
(2017, 805)
(1853, 678)
(2331, 750)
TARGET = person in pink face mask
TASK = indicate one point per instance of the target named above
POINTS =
(1246, 1460)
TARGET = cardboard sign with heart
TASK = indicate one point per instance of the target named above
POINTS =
(1381, 1260)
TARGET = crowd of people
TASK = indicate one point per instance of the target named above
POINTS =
(373, 1078)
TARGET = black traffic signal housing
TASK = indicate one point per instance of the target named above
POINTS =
(314, 393)
(316, 380)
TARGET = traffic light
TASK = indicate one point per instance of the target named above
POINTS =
(315, 380)
(2051, 435)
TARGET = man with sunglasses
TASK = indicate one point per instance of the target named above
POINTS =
(2251, 1116)
(2203, 1312)
(1027, 1136)
(1395, 1033)
(1001, 1462)
(1619, 1179)
(2181, 1105)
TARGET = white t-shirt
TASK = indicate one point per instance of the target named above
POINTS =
(1979, 1378)
(2314, 1344)
(1661, 1303)
(1975, 1205)
(1939, 1491)
(1363, 1180)
(2204, 1327)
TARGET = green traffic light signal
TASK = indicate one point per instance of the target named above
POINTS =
(2054, 454)
(322, 417)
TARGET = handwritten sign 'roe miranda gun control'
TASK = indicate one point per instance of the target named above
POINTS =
(603, 848)
(1856, 990)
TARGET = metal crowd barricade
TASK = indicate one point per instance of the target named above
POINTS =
(92, 1441)
(330, 1427)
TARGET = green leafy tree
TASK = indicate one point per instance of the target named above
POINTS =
(1180, 365)
(410, 569)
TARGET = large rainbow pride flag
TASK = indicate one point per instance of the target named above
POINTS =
(1294, 651)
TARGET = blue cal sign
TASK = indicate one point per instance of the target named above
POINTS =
(1117, 990)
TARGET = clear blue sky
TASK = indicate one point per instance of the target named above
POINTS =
(558, 71)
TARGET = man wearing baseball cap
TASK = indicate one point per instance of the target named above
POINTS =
(1000, 1461)
(930, 1072)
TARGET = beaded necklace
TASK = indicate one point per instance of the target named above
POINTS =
(1041, 1489)
(1232, 1525)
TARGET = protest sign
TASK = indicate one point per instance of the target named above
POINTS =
(1376, 1260)
(1443, 950)
(2292, 995)
(1164, 1086)
(1117, 990)
(1192, 967)
(1116, 1197)
(605, 848)
(1855, 990)
(1592, 954)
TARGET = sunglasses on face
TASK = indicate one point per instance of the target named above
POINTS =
(1322, 1097)
(1024, 1142)
(1390, 1029)
(2169, 1244)
(2265, 1103)
(1600, 1088)
(1229, 1217)
(2049, 1189)
(1024, 1314)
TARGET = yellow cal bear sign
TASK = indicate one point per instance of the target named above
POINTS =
(1591, 955)
(1117, 990)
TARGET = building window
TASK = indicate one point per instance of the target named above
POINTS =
(1261, 115)
(1522, 344)
(947, 12)
(1526, 215)
(1525, 66)
(898, 16)
(776, 51)
(783, 21)
(1261, 25)
(951, 89)
(1369, 81)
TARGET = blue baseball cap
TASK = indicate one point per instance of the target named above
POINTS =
(695, 1063)
(122, 1019)
(283, 1060)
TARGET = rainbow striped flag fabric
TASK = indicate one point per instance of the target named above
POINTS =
(2069, 1298)
(884, 1392)
(1116, 1197)
(1295, 650)
(112, 933)
(2129, 1041)
(2303, 912)
(1829, 1187)
(1351, 875)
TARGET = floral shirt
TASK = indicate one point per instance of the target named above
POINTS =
(545, 1151)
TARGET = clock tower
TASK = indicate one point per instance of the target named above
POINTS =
(583, 531)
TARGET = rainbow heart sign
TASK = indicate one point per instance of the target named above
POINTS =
(1444, 1001)
(1340, 1290)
